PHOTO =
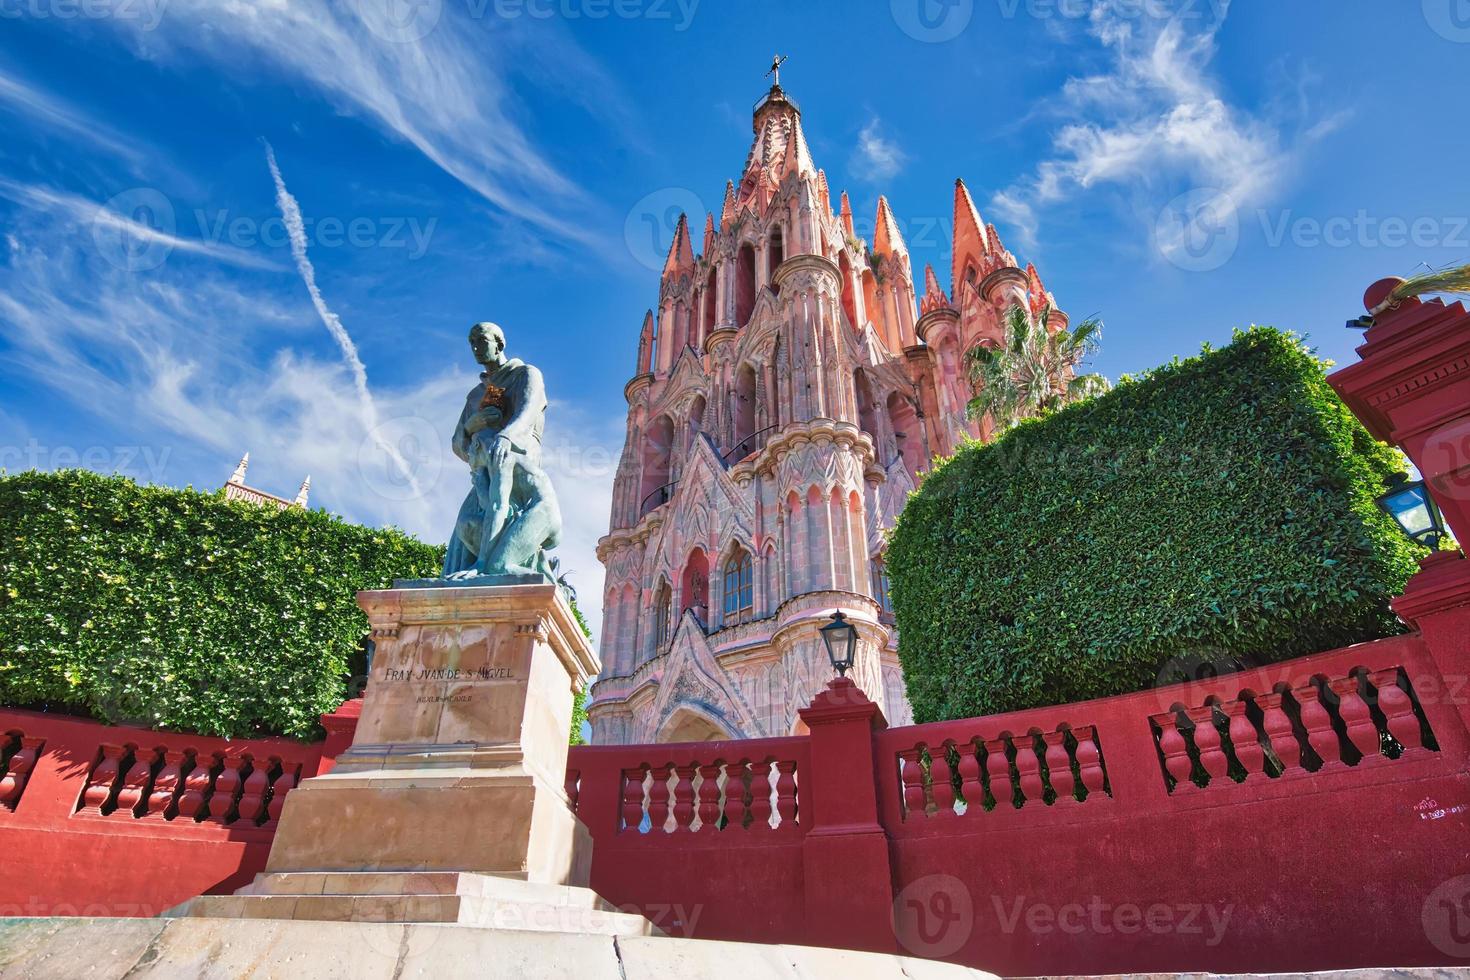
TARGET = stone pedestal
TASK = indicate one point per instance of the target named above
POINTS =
(454, 777)
(461, 751)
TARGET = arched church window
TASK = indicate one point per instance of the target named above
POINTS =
(739, 596)
(880, 586)
(663, 603)
(744, 284)
(775, 255)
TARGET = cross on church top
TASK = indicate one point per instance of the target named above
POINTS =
(775, 69)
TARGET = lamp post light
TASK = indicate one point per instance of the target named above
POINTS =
(1414, 510)
(840, 636)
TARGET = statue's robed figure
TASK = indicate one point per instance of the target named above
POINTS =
(510, 517)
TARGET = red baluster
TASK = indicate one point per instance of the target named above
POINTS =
(633, 799)
(786, 792)
(684, 797)
(1321, 736)
(196, 787)
(1175, 750)
(1397, 708)
(941, 782)
(13, 783)
(709, 796)
(103, 779)
(760, 795)
(1207, 741)
(1089, 760)
(284, 784)
(1279, 733)
(911, 775)
(252, 793)
(971, 787)
(1244, 739)
(1356, 717)
(1059, 767)
(226, 787)
(658, 799)
(135, 784)
(165, 785)
(999, 767)
(735, 773)
(1028, 765)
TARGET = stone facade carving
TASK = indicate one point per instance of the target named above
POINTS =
(787, 395)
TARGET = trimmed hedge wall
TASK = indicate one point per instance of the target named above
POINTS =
(178, 609)
(1215, 512)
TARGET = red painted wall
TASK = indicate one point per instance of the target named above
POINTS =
(910, 839)
(1303, 867)
(60, 856)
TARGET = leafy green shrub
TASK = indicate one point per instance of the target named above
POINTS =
(1218, 509)
(178, 609)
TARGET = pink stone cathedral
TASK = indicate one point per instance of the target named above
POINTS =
(791, 388)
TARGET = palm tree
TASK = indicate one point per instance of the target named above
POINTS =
(1033, 370)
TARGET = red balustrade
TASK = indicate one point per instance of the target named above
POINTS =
(106, 820)
(1263, 740)
(1044, 767)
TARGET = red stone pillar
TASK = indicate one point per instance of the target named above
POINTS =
(341, 726)
(1411, 387)
(1436, 603)
(845, 859)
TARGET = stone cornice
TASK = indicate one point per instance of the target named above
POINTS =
(1004, 274)
(538, 610)
(722, 334)
(636, 384)
(935, 320)
(795, 434)
(816, 264)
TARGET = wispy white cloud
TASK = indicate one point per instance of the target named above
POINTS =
(133, 353)
(447, 92)
(1156, 121)
(296, 231)
(876, 157)
(127, 232)
(59, 115)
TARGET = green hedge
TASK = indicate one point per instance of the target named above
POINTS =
(179, 609)
(1215, 512)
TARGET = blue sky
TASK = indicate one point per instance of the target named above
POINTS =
(1178, 168)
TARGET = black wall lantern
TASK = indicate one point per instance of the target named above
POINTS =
(1414, 510)
(840, 636)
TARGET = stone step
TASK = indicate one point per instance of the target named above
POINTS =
(423, 883)
(472, 910)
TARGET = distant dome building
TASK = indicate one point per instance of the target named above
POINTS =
(790, 389)
(235, 489)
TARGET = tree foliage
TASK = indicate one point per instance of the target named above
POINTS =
(1034, 369)
(1218, 509)
(178, 609)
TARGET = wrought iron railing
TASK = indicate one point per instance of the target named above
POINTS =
(748, 445)
(657, 498)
